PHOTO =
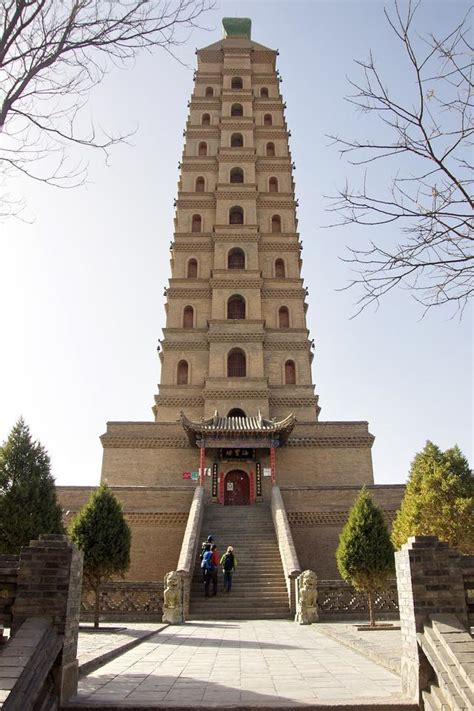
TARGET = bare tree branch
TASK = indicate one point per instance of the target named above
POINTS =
(52, 53)
(430, 195)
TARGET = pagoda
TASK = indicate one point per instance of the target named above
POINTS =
(236, 410)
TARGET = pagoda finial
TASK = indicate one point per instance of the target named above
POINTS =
(237, 27)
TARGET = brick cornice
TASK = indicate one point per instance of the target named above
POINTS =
(236, 283)
(235, 394)
(335, 441)
(279, 247)
(257, 336)
(283, 293)
(286, 346)
(191, 293)
(184, 345)
(325, 518)
(137, 442)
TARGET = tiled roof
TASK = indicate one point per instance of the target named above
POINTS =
(255, 426)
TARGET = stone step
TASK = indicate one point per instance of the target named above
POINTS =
(434, 700)
(450, 667)
(432, 650)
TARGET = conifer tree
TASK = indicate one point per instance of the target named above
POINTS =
(365, 553)
(101, 532)
(439, 499)
(28, 504)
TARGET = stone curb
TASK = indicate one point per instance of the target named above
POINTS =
(93, 664)
(389, 663)
(360, 705)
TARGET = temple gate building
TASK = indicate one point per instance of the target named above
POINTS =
(236, 411)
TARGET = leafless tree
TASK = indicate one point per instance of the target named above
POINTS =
(428, 133)
(52, 53)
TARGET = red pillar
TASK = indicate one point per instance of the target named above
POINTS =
(202, 464)
(273, 464)
(252, 488)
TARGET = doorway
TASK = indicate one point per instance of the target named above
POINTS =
(236, 488)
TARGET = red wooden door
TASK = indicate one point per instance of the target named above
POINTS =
(236, 488)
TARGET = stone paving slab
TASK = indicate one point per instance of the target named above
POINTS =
(382, 646)
(97, 647)
(240, 664)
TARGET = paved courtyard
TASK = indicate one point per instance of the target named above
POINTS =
(253, 662)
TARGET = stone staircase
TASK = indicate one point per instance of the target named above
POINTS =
(259, 589)
(449, 649)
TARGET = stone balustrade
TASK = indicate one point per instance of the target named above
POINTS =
(190, 546)
(289, 557)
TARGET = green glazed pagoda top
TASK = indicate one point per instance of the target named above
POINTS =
(237, 26)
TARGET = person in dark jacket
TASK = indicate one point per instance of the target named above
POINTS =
(205, 546)
(211, 563)
(228, 562)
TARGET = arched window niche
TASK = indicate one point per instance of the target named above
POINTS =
(236, 140)
(264, 92)
(209, 91)
(273, 185)
(200, 184)
(236, 364)
(236, 215)
(237, 110)
(236, 175)
(202, 149)
(188, 317)
(236, 83)
(270, 149)
(283, 317)
(192, 270)
(236, 412)
(196, 223)
(236, 307)
(182, 373)
(268, 120)
(279, 268)
(290, 372)
(205, 120)
(276, 223)
(236, 259)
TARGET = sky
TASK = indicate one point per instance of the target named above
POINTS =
(81, 288)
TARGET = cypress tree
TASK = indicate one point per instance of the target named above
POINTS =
(28, 504)
(365, 553)
(101, 532)
(439, 499)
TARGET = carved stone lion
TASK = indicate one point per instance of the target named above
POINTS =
(172, 598)
(306, 598)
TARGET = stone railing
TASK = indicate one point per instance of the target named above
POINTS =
(289, 557)
(337, 600)
(130, 601)
(434, 582)
(39, 667)
(190, 546)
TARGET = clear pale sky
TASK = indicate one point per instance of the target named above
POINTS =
(81, 288)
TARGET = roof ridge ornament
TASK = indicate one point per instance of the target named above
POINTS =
(237, 27)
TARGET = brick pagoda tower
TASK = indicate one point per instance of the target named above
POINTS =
(236, 399)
